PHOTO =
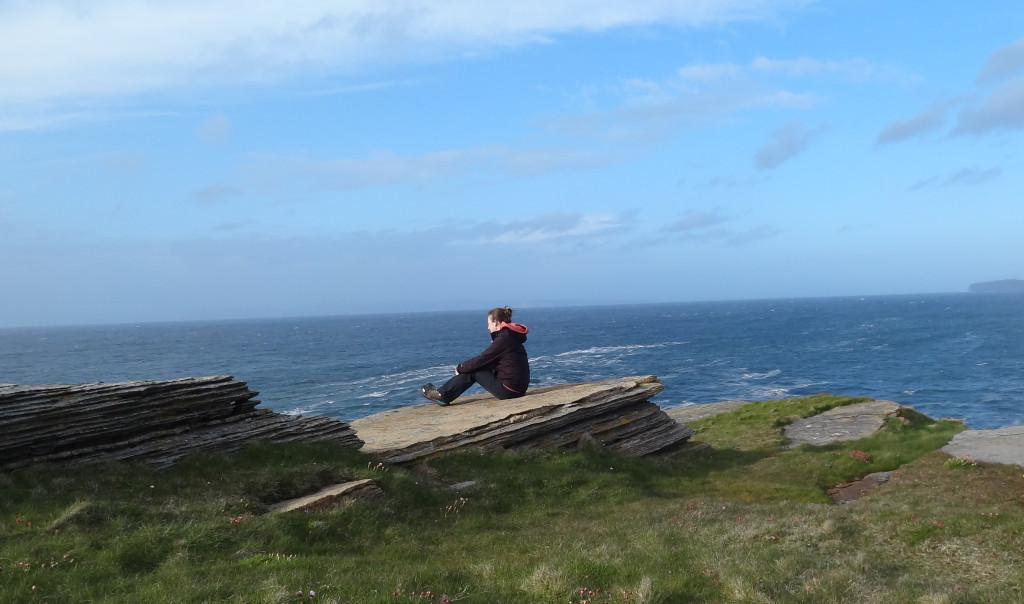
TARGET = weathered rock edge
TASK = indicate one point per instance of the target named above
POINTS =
(328, 497)
(156, 421)
(615, 413)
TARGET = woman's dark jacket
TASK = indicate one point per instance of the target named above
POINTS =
(506, 357)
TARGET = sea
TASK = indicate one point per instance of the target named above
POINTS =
(947, 355)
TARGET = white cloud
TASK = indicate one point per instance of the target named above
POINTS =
(787, 142)
(61, 51)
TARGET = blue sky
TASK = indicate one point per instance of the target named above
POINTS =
(228, 159)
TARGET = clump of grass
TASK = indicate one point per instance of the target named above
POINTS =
(746, 521)
(960, 462)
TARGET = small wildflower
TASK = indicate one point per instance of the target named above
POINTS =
(860, 455)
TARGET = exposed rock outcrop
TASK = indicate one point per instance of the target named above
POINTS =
(155, 421)
(614, 413)
(842, 423)
(1001, 445)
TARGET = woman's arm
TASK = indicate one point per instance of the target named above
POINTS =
(488, 357)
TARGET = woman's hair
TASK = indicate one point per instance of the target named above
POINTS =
(500, 315)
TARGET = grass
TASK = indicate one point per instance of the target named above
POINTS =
(744, 522)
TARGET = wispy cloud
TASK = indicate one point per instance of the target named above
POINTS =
(965, 177)
(1005, 62)
(751, 235)
(385, 168)
(856, 69)
(787, 142)
(215, 129)
(216, 193)
(697, 221)
(929, 120)
(1003, 109)
(984, 110)
(701, 226)
(705, 227)
(653, 109)
(60, 51)
(562, 229)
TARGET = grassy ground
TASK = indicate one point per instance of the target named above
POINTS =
(745, 522)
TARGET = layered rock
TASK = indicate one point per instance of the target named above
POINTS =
(614, 413)
(155, 421)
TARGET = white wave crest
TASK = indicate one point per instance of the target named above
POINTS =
(761, 376)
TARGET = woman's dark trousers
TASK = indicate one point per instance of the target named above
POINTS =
(453, 388)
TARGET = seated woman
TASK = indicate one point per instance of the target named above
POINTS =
(503, 368)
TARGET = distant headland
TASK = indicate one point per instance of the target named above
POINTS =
(1015, 286)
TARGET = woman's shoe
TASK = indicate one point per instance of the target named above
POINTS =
(430, 391)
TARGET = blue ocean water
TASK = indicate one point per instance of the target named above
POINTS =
(948, 355)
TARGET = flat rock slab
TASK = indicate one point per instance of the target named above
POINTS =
(1002, 445)
(851, 491)
(692, 413)
(329, 497)
(614, 413)
(842, 423)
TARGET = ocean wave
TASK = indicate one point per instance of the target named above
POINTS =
(300, 411)
(405, 377)
(761, 376)
(376, 394)
(624, 347)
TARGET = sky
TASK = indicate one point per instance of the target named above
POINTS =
(229, 159)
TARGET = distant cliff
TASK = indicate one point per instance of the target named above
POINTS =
(1015, 286)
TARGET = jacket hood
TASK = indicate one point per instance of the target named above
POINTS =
(516, 327)
(517, 330)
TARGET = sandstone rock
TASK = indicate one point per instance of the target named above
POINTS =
(1001, 445)
(155, 421)
(692, 413)
(851, 422)
(330, 496)
(614, 413)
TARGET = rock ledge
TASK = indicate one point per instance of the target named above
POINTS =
(615, 413)
(158, 422)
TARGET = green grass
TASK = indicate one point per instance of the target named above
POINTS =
(744, 522)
